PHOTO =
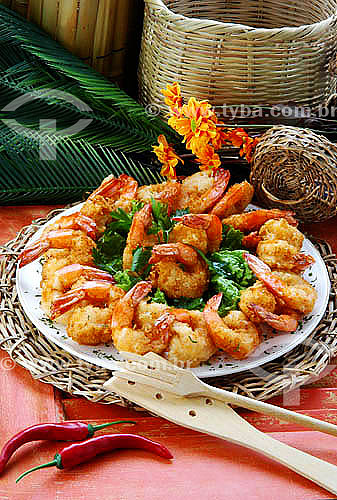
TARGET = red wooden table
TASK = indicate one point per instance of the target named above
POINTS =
(203, 468)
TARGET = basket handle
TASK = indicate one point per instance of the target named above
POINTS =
(272, 197)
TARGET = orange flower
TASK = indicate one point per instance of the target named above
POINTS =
(172, 95)
(208, 158)
(248, 148)
(167, 157)
(195, 123)
(237, 137)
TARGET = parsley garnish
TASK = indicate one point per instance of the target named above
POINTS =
(162, 224)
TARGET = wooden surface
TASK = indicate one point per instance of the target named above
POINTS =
(204, 467)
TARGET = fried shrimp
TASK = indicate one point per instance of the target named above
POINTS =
(166, 192)
(112, 193)
(200, 192)
(280, 245)
(211, 224)
(78, 246)
(95, 292)
(62, 279)
(234, 201)
(256, 294)
(178, 270)
(138, 236)
(128, 334)
(188, 340)
(234, 333)
(252, 221)
(87, 309)
(289, 288)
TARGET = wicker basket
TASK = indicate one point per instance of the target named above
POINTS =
(295, 169)
(238, 51)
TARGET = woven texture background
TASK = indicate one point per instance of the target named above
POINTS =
(50, 364)
(245, 51)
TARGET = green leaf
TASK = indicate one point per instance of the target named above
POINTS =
(231, 238)
(193, 125)
(125, 280)
(140, 258)
(189, 303)
(230, 290)
(159, 297)
(161, 221)
(232, 265)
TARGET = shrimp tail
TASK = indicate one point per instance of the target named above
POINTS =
(162, 327)
(65, 302)
(87, 225)
(94, 291)
(263, 272)
(184, 254)
(213, 303)
(301, 262)
(251, 240)
(138, 292)
(283, 322)
(215, 193)
(33, 252)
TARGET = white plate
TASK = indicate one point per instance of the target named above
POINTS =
(28, 286)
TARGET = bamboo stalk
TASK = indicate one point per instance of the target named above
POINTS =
(35, 11)
(105, 27)
(114, 66)
(7, 3)
(67, 23)
(20, 6)
(87, 17)
(50, 13)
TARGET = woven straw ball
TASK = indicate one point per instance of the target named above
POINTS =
(296, 169)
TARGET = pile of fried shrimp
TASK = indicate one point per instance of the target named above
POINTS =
(95, 310)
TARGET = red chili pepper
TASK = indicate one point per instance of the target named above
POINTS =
(78, 453)
(65, 431)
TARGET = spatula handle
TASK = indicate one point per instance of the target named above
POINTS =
(317, 470)
(218, 419)
(272, 410)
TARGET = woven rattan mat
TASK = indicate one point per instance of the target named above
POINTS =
(30, 349)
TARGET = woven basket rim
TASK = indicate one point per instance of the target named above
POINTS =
(250, 31)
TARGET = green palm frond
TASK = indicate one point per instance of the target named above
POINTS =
(78, 168)
(31, 61)
(33, 64)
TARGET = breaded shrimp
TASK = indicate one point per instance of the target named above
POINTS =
(252, 221)
(166, 192)
(78, 245)
(256, 294)
(126, 335)
(189, 341)
(289, 288)
(178, 270)
(211, 224)
(62, 279)
(138, 236)
(200, 191)
(103, 293)
(234, 201)
(280, 245)
(234, 333)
